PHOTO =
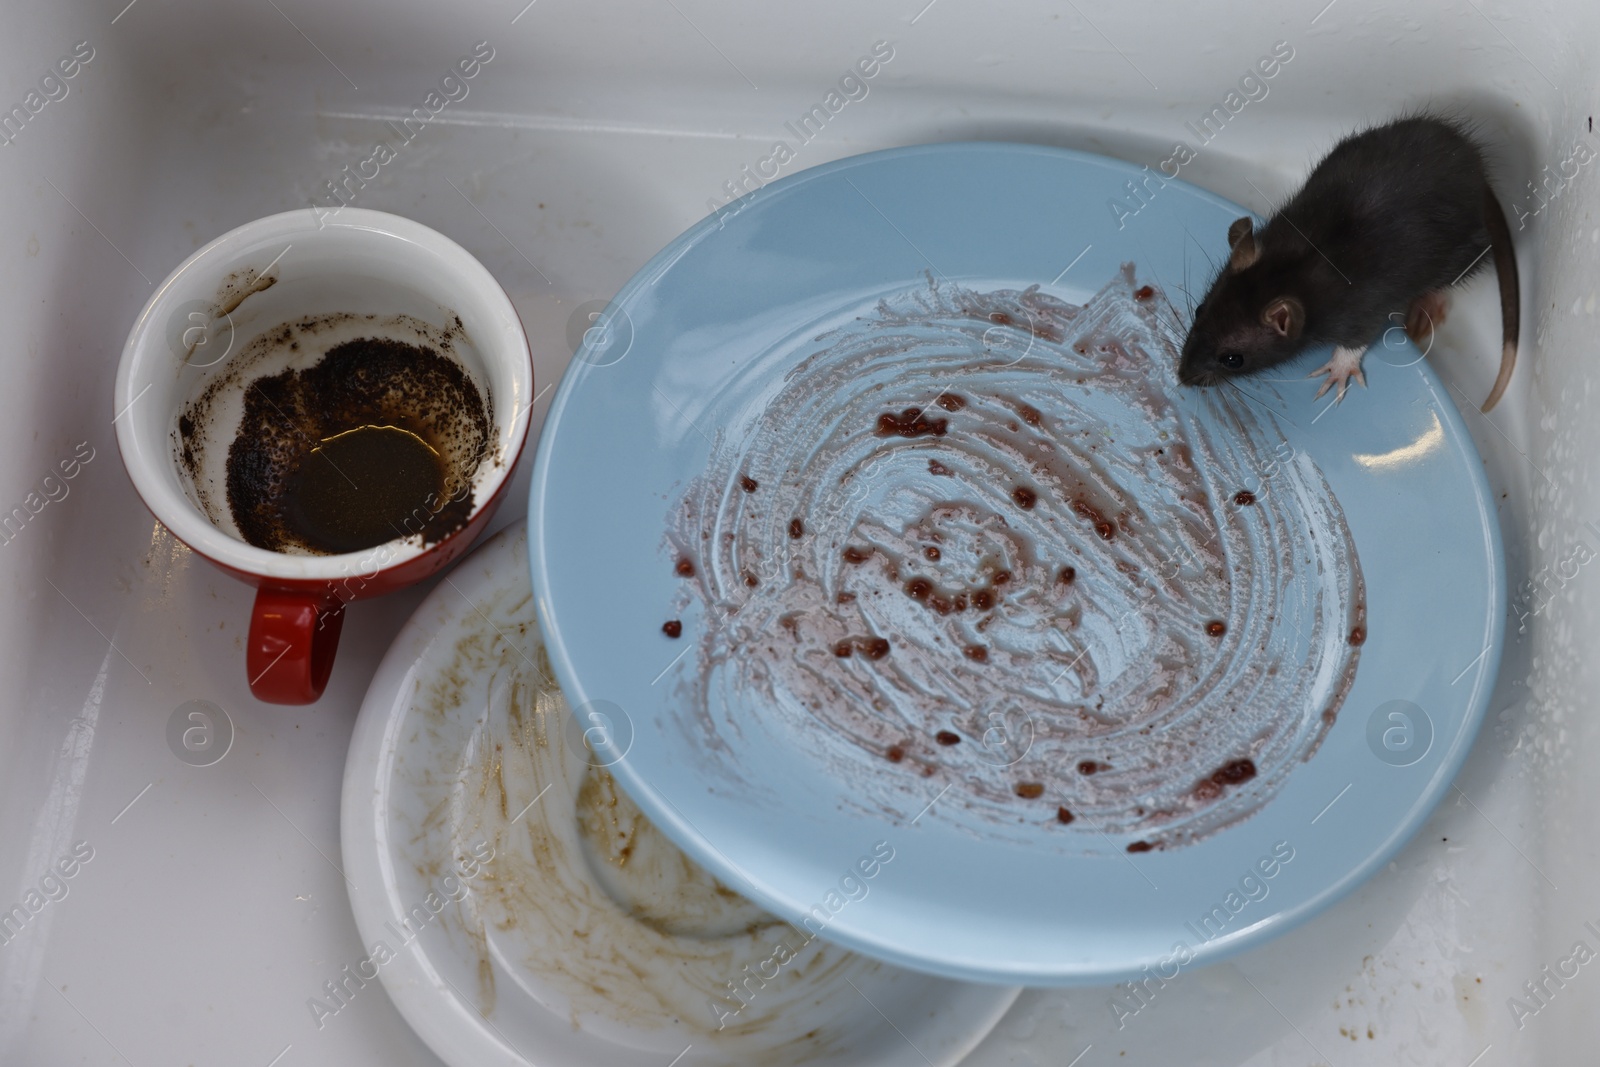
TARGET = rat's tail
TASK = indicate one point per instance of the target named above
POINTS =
(1505, 269)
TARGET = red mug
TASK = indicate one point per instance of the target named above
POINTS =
(272, 295)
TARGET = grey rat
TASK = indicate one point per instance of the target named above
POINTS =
(1389, 219)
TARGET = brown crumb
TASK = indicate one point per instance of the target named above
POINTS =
(873, 647)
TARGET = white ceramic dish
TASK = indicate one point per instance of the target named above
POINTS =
(487, 850)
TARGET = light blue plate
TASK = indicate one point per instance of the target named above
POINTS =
(683, 359)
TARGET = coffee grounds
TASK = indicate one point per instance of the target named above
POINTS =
(370, 382)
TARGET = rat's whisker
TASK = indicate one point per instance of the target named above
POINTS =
(1188, 296)
(1201, 247)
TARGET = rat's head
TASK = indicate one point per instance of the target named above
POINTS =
(1246, 322)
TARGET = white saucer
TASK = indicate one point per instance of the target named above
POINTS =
(491, 849)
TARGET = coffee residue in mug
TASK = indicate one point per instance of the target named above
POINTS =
(381, 417)
(377, 440)
(1096, 598)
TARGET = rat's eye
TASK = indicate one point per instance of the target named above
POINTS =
(1231, 360)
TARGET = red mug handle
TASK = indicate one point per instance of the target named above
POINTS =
(293, 637)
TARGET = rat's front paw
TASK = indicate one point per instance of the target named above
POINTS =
(1345, 365)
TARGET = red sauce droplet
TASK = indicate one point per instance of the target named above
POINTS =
(976, 653)
(1030, 790)
(1358, 636)
(750, 579)
(931, 552)
(853, 554)
(1102, 526)
(1067, 575)
(1000, 318)
(1144, 292)
(1090, 766)
(1024, 497)
(919, 588)
(941, 605)
(951, 401)
(684, 568)
(983, 599)
(845, 598)
(874, 647)
(749, 484)
(895, 754)
(1002, 577)
(842, 650)
(935, 467)
(947, 737)
(1030, 414)
(1216, 627)
(797, 529)
(1244, 498)
(909, 423)
(1234, 771)
(672, 628)
(1064, 816)
(1140, 846)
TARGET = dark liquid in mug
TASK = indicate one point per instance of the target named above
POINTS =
(378, 441)
(356, 489)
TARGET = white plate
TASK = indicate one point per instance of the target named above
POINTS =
(477, 895)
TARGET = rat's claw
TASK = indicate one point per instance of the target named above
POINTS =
(1345, 365)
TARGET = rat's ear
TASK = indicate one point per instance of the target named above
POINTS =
(1242, 239)
(1286, 316)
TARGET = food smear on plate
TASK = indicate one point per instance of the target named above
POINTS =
(578, 903)
(996, 517)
